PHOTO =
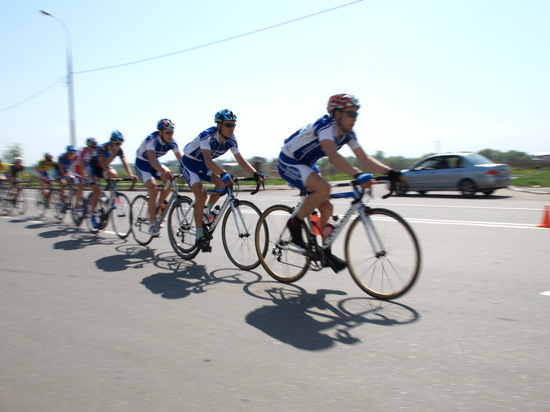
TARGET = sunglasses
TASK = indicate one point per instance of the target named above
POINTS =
(229, 125)
(168, 132)
(351, 114)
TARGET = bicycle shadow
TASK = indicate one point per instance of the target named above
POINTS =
(308, 321)
(81, 238)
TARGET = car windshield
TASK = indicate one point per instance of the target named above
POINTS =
(478, 159)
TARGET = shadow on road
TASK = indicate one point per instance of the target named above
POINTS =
(309, 321)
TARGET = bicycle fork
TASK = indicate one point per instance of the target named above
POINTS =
(372, 234)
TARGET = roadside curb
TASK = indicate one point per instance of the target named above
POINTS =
(546, 190)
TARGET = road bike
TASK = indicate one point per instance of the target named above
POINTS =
(12, 199)
(238, 220)
(114, 207)
(140, 213)
(77, 212)
(381, 249)
(49, 198)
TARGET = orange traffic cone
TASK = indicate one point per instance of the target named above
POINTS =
(545, 217)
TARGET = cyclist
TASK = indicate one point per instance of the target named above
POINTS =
(81, 168)
(198, 164)
(304, 148)
(64, 166)
(149, 169)
(3, 171)
(42, 171)
(101, 167)
(14, 171)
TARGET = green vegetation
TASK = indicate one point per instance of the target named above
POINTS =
(531, 177)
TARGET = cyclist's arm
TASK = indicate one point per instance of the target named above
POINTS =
(336, 159)
(127, 167)
(370, 163)
(207, 154)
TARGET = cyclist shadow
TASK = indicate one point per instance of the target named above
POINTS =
(81, 238)
(131, 256)
(308, 321)
(191, 278)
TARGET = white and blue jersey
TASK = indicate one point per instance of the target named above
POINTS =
(193, 167)
(209, 140)
(304, 146)
(302, 149)
(155, 143)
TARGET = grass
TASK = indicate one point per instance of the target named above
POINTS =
(531, 178)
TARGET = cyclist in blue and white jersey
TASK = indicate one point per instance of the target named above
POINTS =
(100, 167)
(198, 164)
(64, 170)
(322, 138)
(148, 168)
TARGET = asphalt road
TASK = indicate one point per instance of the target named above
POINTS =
(95, 323)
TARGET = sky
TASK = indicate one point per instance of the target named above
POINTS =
(431, 75)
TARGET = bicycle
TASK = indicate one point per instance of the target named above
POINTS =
(140, 213)
(61, 207)
(116, 207)
(49, 198)
(381, 249)
(237, 238)
(12, 199)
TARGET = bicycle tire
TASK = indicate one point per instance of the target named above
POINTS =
(181, 228)
(41, 204)
(272, 239)
(56, 205)
(19, 202)
(238, 231)
(383, 273)
(79, 211)
(121, 216)
(140, 220)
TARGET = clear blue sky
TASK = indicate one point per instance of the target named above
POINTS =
(431, 74)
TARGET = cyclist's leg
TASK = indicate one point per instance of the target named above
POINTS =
(214, 197)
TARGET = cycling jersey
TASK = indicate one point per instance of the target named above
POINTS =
(103, 151)
(155, 143)
(304, 146)
(64, 163)
(14, 170)
(209, 140)
(44, 166)
(84, 156)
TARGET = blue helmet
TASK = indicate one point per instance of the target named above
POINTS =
(117, 137)
(225, 114)
(91, 142)
(165, 124)
(71, 149)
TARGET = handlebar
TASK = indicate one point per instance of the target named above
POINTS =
(393, 182)
(223, 191)
(123, 179)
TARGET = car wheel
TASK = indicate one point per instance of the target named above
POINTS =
(468, 188)
(488, 192)
(400, 189)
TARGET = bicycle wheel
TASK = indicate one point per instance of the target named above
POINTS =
(19, 202)
(277, 255)
(181, 228)
(383, 256)
(238, 234)
(79, 210)
(121, 216)
(140, 220)
(42, 203)
(56, 205)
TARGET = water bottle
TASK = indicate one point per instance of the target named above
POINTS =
(315, 223)
(330, 226)
(214, 213)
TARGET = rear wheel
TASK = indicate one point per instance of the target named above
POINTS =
(19, 202)
(79, 210)
(121, 216)
(140, 220)
(278, 256)
(57, 206)
(42, 203)
(181, 228)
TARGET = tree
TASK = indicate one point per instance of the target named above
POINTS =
(12, 152)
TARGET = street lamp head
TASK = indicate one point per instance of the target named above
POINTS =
(46, 12)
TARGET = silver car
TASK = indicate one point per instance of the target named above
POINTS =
(466, 172)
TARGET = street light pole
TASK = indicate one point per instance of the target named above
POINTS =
(72, 123)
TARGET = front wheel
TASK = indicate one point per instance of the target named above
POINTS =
(279, 257)
(467, 188)
(121, 216)
(79, 210)
(19, 202)
(383, 254)
(181, 228)
(57, 206)
(140, 220)
(238, 234)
